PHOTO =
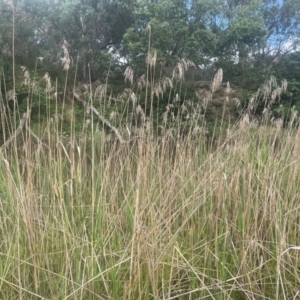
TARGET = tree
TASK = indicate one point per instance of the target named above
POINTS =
(240, 34)
(255, 33)
(20, 34)
(90, 29)
(177, 29)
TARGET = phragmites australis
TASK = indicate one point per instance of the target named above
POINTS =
(66, 60)
(182, 66)
(128, 75)
(217, 80)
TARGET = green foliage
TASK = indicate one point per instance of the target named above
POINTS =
(172, 29)
(247, 39)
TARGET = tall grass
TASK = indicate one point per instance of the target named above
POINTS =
(159, 216)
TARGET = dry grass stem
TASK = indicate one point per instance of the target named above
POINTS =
(149, 200)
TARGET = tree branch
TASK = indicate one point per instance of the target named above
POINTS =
(25, 117)
(107, 123)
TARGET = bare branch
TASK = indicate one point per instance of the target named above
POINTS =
(106, 122)
(25, 117)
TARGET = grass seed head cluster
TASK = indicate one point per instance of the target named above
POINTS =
(167, 214)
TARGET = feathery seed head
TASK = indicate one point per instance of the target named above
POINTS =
(100, 91)
(228, 88)
(176, 99)
(138, 110)
(284, 85)
(11, 96)
(237, 102)
(245, 120)
(26, 81)
(178, 72)
(148, 28)
(217, 80)
(183, 108)
(112, 116)
(158, 90)
(85, 87)
(141, 82)
(66, 60)
(128, 75)
(140, 113)
(294, 116)
(48, 82)
(162, 85)
(133, 98)
(151, 59)
(166, 82)
(182, 66)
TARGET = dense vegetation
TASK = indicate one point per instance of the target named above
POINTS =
(149, 149)
(245, 36)
(95, 41)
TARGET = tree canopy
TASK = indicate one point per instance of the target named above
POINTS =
(237, 34)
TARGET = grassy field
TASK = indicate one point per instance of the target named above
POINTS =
(137, 214)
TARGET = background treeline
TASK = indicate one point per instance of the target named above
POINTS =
(249, 39)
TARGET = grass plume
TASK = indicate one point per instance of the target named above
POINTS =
(158, 216)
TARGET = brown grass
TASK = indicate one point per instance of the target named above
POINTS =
(173, 215)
